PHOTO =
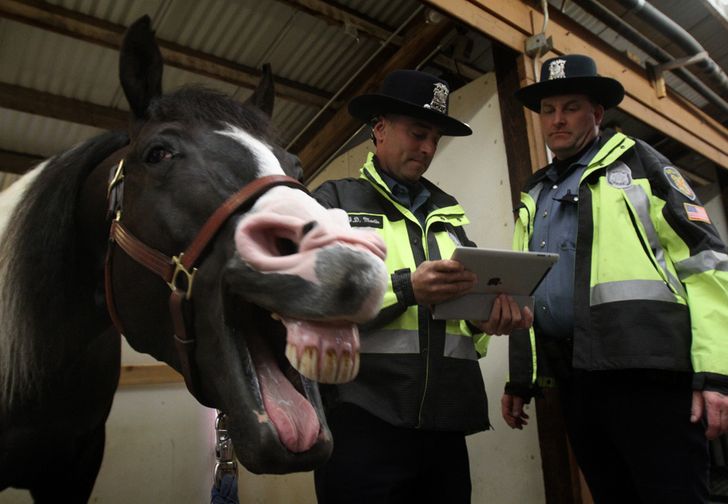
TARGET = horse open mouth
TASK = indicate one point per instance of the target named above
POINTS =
(283, 365)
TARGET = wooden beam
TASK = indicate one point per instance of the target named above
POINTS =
(97, 31)
(339, 15)
(17, 162)
(513, 120)
(510, 22)
(154, 374)
(62, 108)
(419, 43)
(335, 14)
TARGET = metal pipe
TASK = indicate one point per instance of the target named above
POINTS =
(354, 76)
(660, 55)
(648, 13)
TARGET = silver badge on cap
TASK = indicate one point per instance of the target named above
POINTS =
(439, 98)
(557, 70)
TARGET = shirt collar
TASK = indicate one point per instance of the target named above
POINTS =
(411, 196)
(561, 169)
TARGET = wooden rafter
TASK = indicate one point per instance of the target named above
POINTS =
(17, 162)
(98, 31)
(59, 107)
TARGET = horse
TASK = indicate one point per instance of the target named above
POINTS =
(192, 236)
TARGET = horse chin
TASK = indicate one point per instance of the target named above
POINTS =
(284, 428)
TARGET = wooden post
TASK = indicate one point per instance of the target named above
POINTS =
(526, 152)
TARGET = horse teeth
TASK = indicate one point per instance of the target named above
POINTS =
(356, 366)
(292, 355)
(346, 364)
(326, 368)
(308, 365)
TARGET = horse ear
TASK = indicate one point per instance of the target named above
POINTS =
(140, 66)
(264, 95)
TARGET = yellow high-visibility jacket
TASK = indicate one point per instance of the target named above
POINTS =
(651, 272)
(415, 371)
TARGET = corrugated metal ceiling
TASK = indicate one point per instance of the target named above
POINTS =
(301, 47)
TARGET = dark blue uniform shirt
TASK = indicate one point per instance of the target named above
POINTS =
(554, 230)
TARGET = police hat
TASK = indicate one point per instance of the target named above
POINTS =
(571, 74)
(414, 94)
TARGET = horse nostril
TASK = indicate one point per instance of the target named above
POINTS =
(285, 247)
(308, 227)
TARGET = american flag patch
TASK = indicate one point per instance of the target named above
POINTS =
(696, 213)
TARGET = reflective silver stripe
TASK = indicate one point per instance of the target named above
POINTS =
(641, 204)
(460, 347)
(610, 292)
(706, 260)
(394, 341)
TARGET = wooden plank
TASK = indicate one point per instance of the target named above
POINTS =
(486, 21)
(59, 107)
(537, 144)
(562, 482)
(155, 374)
(17, 162)
(513, 121)
(675, 129)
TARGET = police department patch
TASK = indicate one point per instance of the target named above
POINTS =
(678, 182)
(619, 176)
(366, 220)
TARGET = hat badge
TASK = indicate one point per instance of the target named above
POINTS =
(439, 98)
(557, 69)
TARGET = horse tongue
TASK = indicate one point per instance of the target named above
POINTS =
(292, 415)
(323, 352)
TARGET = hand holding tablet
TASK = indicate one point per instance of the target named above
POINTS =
(498, 272)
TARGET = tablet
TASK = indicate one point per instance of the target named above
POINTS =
(499, 271)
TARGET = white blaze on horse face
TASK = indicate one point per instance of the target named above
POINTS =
(268, 163)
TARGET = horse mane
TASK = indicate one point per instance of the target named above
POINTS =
(191, 104)
(40, 272)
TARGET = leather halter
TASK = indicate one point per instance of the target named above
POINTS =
(177, 271)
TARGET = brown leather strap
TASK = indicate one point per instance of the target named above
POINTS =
(109, 292)
(248, 194)
(165, 267)
(148, 257)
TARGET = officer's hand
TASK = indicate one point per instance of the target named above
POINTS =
(715, 407)
(437, 281)
(505, 317)
(512, 411)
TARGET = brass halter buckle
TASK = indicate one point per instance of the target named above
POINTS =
(179, 269)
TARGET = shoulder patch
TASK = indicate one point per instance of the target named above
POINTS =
(366, 220)
(619, 175)
(678, 182)
(696, 213)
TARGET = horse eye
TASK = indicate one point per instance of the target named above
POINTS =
(157, 155)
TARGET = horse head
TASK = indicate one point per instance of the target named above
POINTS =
(269, 298)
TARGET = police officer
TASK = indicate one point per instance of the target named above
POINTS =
(399, 429)
(631, 322)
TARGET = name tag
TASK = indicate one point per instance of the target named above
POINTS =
(366, 220)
